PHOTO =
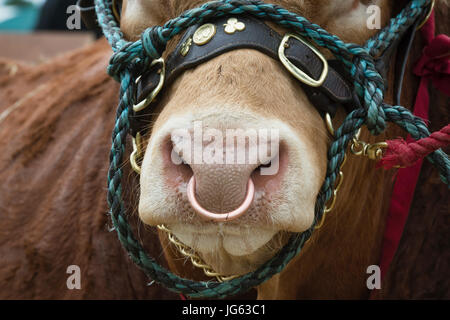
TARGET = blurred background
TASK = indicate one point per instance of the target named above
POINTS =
(36, 30)
(19, 15)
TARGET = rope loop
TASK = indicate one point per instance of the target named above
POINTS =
(117, 68)
(152, 42)
(369, 86)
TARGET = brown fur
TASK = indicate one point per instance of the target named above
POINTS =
(52, 201)
(53, 166)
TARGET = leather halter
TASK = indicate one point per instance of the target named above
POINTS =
(336, 90)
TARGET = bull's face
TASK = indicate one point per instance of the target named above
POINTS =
(246, 90)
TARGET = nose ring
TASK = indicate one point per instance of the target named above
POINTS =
(219, 217)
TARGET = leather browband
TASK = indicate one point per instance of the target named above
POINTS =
(335, 90)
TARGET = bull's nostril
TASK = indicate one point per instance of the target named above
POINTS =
(223, 187)
(176, 169)
(219, 217)
(268, 176)
(264, 165)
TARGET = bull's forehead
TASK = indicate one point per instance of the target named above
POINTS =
(345, 18)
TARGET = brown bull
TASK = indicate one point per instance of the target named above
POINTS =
(55, 124)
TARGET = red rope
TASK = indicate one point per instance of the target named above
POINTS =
(400, 153)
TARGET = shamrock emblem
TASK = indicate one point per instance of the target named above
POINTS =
(233, 25)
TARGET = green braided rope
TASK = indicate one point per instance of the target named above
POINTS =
(131, 56)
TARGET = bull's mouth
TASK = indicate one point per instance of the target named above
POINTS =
(235, 240)
(230, 250)
(230, 247)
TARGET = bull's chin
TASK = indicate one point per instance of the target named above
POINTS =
(231, 250)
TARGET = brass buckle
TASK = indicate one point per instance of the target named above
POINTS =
(145, 103)
(427, 17)
(296, 72)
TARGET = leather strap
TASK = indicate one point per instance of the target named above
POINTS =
(402, 48)
(87, 10)
(257, 35)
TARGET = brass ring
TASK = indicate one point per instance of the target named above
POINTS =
(329, 124)
(427, 16)
(329, 207)
(144, 103)
(114, 10)
(357, 147)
